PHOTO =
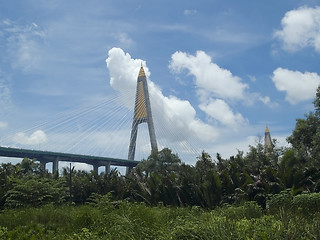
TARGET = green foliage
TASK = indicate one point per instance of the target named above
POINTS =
(279, 203)
(265, 227)
(35, 192)
(247, 210)
(287, 203)
(30, 231)
(84, 234)
(109, 219)
(160, 161)
(308, 204)
(3, 233)
(305, 138)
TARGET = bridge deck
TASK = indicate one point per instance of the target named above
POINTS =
(68, 157)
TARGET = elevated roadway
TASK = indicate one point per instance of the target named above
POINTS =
(46, 156)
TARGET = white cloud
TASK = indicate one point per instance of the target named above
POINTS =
(123, 39)
(36, 138)
(3, 124)
(123, 72)
(190, 12)
(212, 82)
(176, 117)
(5, 94)
(209, 77)
(252, 78)
(300, 29)
(266, 100)
(297, 85)
(220, 110)
(24, 43)
(231, 148)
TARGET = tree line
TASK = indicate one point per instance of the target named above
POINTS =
(163, 178)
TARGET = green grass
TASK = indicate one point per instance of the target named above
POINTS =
(124, 220)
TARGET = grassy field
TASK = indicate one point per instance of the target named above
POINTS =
(107, 219)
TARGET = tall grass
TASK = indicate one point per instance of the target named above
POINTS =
(105, 219)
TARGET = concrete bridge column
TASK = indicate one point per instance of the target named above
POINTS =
(43, 164)
(95, 168)
(55, 165)
(128, 170)
(107, 169)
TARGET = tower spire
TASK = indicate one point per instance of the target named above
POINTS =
(142, 113)
(267, 139)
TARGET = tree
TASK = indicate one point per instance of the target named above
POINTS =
(157, 179)
(34, 192)
(30, 167)
(160, 161)
(305, 138)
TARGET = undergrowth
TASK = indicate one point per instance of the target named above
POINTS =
(106, 219)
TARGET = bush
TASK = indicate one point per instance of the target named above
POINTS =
(307, 203)
(35, 192)
(278, 203)
(247, 210)
(265, 227)
(3, 233)
(286, 203)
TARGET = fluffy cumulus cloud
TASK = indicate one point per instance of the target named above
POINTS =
(220, 110)
(36, 138)
(175, 117)
(123, 72)
(209, 77)
(300, 29)
(297, 85)
(212, 81)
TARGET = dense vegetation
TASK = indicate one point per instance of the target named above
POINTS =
(268, 193)
(102, 218)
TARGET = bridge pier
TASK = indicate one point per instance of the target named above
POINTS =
(95, 168)
(43, 164)
(107, 168)
(55, 165)
(128, 170)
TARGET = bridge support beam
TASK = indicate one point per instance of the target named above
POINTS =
(95, 168)
(107, 168)
(43, 164)
(55, 165)
(128, 170)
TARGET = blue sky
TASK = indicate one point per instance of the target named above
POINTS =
(221, 70)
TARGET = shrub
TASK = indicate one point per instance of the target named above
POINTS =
(35, 192)
(307, 203)
(3, 233)
(247, 210)
(286, 203)
(278, 203)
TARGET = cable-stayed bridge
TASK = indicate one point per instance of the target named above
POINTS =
(90, 133)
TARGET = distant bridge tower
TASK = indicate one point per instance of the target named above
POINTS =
(267, 140)
(142, 113)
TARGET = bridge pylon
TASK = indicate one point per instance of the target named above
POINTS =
(267, 141)
(142, 113)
